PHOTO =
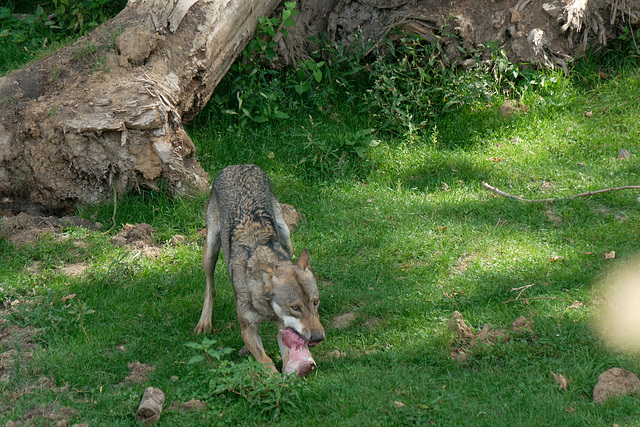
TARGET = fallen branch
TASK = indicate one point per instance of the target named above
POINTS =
(526, 300)
(521, 289)
(557, 199)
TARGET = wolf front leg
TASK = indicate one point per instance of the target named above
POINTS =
(253, 342)
(209, 259)
(284, 350)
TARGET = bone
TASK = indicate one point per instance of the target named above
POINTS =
(300, 360)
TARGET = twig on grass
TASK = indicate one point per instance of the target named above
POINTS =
(557, 199)
(521, 289)
(526, 300)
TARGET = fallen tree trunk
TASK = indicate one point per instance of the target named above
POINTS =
(106, 113)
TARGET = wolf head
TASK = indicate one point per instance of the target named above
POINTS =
(292, 291)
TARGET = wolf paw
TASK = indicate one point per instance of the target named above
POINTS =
(202, 327)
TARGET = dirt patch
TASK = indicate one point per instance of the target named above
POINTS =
(134, 236)
(553, 216)
(25, 229)
(605, 211)
(15, 344)
(50, 414)
(138, 373)
(523, 325)
(138, 237)
(344, 320)
(192, 405)
(74, 270)
(466, 341)
(463, 263)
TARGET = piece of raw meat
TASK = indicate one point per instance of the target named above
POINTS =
(300, 360)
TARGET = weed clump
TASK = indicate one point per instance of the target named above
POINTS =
(246, 381)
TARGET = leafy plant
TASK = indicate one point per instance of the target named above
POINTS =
(247, 380)
(210, 353)
(309, 72)
(330, 151)
(80, 16)
(263, 45)
(80, 310)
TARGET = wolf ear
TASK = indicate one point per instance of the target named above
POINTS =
(303, 261)
(267, 268)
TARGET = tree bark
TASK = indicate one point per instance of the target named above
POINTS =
(106, 113)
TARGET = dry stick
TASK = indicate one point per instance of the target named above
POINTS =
(526, 300)
(522, 289)
(557, 199)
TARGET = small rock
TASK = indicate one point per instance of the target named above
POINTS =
(615, 382)
(469, 64)
(177, 240)
(623, 154)
(119, 241)
(459, 327)
(515, 16)
(553, 9)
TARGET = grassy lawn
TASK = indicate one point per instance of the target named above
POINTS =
(401, 234)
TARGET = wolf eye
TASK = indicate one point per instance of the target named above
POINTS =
(295, 307)
(316, 302)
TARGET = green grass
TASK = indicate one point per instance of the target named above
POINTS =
(401, 238)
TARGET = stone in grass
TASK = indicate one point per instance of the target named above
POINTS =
(623, 154)
(615, 382)
(300, 360)
(459, 328)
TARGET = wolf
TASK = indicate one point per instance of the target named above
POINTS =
(244, 219)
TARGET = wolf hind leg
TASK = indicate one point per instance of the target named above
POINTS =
(209, 259)
(282, 229)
